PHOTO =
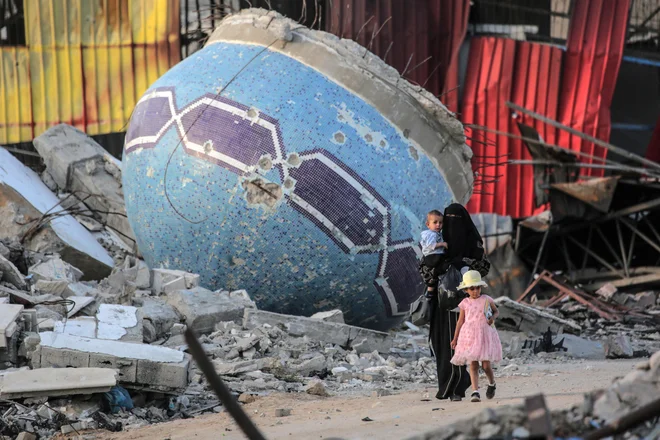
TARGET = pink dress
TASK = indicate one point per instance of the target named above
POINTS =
(477, 340)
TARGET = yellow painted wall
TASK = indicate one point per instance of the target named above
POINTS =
(85, 63)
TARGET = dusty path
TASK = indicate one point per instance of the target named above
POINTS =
(394, 417)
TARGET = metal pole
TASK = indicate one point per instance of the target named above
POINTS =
(220, 389)
(610, 147)
(538, 256)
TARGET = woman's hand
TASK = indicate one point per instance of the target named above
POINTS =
(453, 344)
(491, 321)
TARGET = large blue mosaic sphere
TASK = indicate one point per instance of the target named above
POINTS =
(294, 165)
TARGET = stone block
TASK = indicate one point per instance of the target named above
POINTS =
(11, 274)
(63, 358)
(55, 287)
(77, 163)
(26, 436)
(618, 346)
(161, 315)
(126, 368)
(203, 309)
(330, 316)
(166, 280)
(56, 382)
(320, 331)
(162, 374)
(163, 366)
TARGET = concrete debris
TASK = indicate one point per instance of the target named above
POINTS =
(246, 398)
(330, 316)
(10, 273)
(639, 387)
(80, 302)
(55, 269)
(523, 318)
(139, 364)
(26, 436)
(79, 165)
(618, 346)
(24, 202)
(202, 309)
(166, 281)
(320, 331)
(282, 412)
(56, 382)
(607, 292)
(317, 388)
(158, 317)
(120, 323)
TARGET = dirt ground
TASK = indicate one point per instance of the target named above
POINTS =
(394, 417)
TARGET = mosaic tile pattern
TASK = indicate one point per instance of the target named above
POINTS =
(332, 193)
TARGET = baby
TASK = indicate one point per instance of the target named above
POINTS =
(433, 247)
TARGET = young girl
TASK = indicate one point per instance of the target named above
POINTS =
(478, 341)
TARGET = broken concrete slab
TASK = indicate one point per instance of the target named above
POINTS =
(330, 332)
(166, 280)
(9, 314)
(618, 346)
(55, 269)
(120, 323)
(24, 200)
(78, 164)
(61, 350)
(80, 302)
(159, 314)
(581, 348)
(84, 326)
(519, 317)
(56, 287)
(11, 274)
(330, 316)
(79, 289)
(4, 250)
(56, 382)
(240, 367)
(203, 309)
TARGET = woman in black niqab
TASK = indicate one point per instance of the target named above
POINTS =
(464, 248)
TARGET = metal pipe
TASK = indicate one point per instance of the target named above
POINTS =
(586, 137)
(234, 409)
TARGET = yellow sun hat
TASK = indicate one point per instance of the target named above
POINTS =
(471, 278)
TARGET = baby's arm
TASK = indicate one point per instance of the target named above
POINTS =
(441, 244)
(461, 320)
(496, 312)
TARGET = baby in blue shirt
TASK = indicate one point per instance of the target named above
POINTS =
(433, 247)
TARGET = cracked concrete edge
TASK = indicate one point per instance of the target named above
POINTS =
(418, 115)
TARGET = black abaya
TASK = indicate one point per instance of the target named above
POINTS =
(453, 380)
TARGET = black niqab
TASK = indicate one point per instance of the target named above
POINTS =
(462, 236)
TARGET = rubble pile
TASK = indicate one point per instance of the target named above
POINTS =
(600, 409)
(91, 337)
